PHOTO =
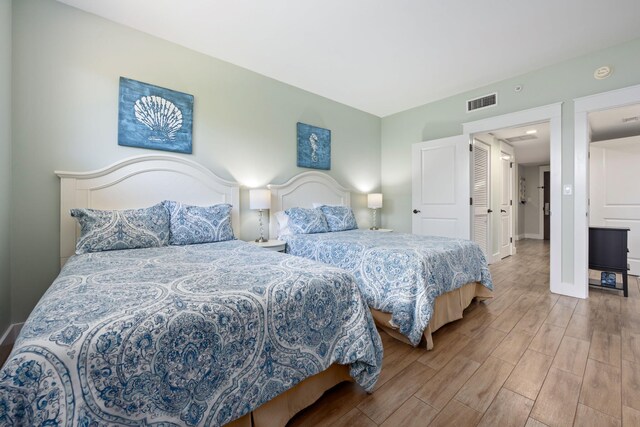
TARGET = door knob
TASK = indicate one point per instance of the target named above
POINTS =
(415, 211)
(489, 210)
(503, 211)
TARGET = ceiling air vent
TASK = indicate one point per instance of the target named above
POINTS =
(482, 102)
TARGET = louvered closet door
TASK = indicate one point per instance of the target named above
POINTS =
(481, 194)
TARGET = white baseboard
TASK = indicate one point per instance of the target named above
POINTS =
(519, 236)
(570, 290)
(10, 335)
(533, 236)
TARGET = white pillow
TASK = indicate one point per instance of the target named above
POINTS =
(283, 224)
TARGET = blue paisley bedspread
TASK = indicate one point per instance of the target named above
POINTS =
(182, 335)
(398, 273)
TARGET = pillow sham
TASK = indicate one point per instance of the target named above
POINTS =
(190, 225)
(339, 218)
(306, 221)
(107, 230)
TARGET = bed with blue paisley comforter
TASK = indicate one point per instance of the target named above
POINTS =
(401, 274)
(182, 335)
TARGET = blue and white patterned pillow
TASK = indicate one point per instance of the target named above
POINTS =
(191, 225)
(107, 230)
(339, 218)
(306, 221)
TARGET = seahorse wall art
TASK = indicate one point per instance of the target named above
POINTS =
(314, 147)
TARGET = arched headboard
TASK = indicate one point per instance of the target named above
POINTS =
(303, 190)
(139, 182)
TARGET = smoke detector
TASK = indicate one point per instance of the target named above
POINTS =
(602, 72)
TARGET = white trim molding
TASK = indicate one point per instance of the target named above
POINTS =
(582, 132)
(553, 114)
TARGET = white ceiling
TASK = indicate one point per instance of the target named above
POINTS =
(382, 56)
(530, 152)
(615, 123)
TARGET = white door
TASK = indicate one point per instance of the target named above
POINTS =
(506, 200)
(614, 190)
(481, 195)
(440, 187)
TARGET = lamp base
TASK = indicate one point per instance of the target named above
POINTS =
(374, 228)
(261, 240)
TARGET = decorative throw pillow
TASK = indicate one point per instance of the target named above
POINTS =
(107, 230)
(306, 221)
(339, 218)
(199, 224)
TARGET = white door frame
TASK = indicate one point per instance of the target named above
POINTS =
(553, 114)
(510, 180)
(582, 107)
(541, 171)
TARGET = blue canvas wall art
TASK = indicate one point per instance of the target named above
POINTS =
(154, 117)
(314, 147)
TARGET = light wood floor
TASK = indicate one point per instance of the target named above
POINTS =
(527, 357)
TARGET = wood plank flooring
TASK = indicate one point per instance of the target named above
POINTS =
(526, 358)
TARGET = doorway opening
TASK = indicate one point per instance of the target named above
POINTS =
(523, 200)
(586, 110)
(444, 209)
(614, 156)
(550, 114)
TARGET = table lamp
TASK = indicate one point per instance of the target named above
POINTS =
(260, 199)
(374, 202)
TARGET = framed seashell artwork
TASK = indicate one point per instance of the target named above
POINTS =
(314, 147)
(154, 117)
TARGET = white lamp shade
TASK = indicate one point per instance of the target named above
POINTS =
(374, 200)
(260, 199)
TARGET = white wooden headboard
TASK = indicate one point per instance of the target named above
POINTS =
(303, 190)
(139, 182)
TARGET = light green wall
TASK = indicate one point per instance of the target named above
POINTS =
(5, 161)
(558, 83)
(65, 117)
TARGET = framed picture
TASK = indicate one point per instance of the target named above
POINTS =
(154, 117)
(314, 147)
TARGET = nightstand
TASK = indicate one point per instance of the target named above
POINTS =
(384, 230)
(272, 245)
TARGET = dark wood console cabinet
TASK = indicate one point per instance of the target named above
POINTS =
(608, 252)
